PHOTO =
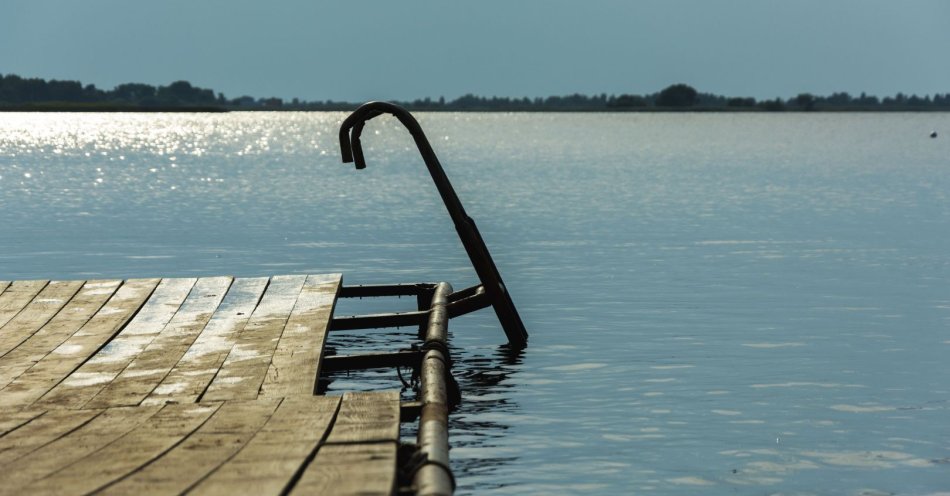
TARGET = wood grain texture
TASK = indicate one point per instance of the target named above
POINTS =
(77, 444)
(129, 453)
(217, 440)
(110, 360)
(80, 308)
(53, 368)
(16, 296)
(150, 366)
(295, 366)
(12, 419)
(198, 366)
(359, 455)
(272, 457)
(244, 369)
(41, 431)
(351, 469)
(367, 417)
(37, 313)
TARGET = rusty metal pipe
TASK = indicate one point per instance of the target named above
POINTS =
(434, 477)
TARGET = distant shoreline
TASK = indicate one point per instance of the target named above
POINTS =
(97, 108)
(19, 94)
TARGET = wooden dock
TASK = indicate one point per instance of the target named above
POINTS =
(210, 385)
(207, 386)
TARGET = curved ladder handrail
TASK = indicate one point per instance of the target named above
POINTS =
(352, 151)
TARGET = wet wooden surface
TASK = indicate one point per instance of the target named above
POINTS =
(165, 386)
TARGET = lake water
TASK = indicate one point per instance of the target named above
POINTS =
(717, 303)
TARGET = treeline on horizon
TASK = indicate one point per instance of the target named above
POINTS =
(18, 93)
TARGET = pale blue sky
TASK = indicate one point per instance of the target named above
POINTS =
(386, 49)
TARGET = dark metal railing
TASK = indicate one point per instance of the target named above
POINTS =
(492, 286)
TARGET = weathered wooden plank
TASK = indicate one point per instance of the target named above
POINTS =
(41, 431)
(113, 358)
(37, 313)
(137, 448)
(359, 455)
(10, 420)
(295, 366)
(243, 371)
(351, 469)
(146, 371)
(366, 417)
(272, 457)
(226, 432)
(64, 324)
(81, 442)
(68, 356)
(3, 286)
(199, 365)
(16, 296)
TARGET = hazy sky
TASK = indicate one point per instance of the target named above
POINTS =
(385, 49)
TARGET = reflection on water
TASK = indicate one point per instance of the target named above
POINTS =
(480, 420)
(718, 303)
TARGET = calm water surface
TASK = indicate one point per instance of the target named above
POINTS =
(718, 303)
